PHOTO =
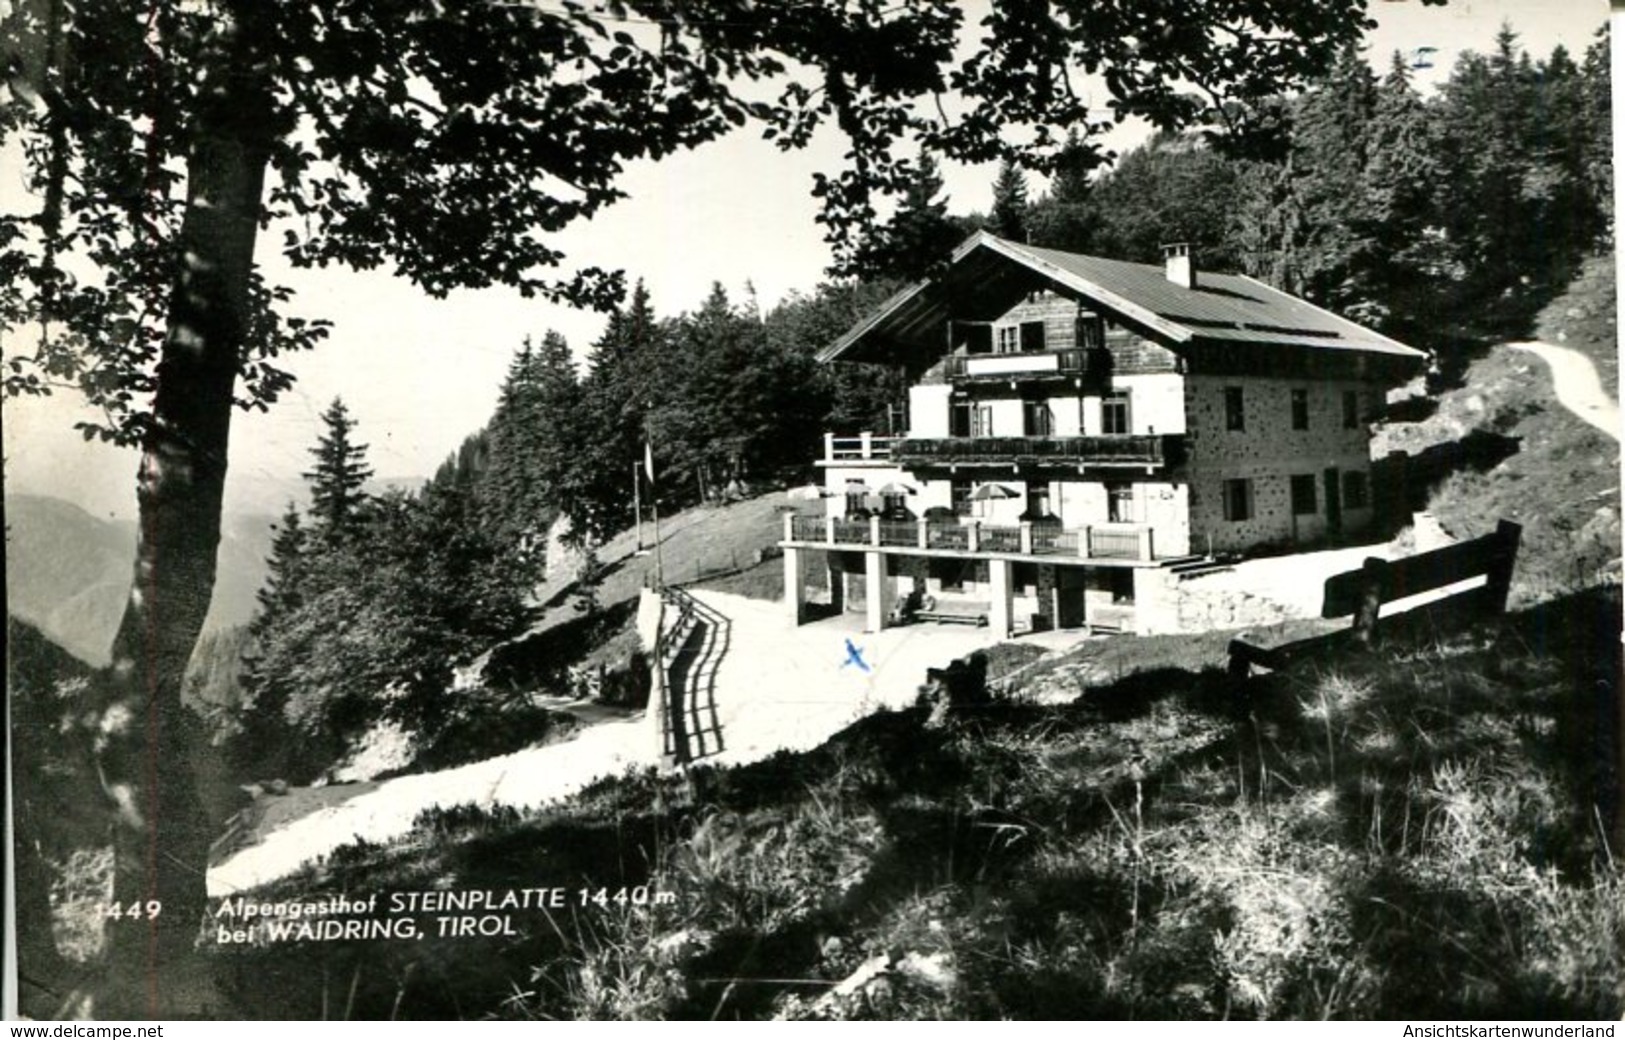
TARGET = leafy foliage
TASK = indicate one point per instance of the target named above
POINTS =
(368, 627)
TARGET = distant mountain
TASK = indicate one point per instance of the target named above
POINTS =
(68, 572)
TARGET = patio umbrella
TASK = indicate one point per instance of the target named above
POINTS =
(809, 492)
(897, 489)
(988, 492)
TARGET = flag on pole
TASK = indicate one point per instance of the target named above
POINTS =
(649, 462)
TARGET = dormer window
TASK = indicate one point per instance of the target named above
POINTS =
(1027, 336)
(1032, 336)
(1091, 331)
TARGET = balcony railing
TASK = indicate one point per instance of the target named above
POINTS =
(864, 447)
(1116, 543)
(1096, 542)
(1153, 450)
(1036, 364)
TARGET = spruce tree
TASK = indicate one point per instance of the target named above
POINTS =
(620, 386)
(920, 235)
(1066, 218)
(532, 468)
(341, 471)
(1010, 206)
(286, 571)
(1598, 120)
(1329, 150)
(1399, 184)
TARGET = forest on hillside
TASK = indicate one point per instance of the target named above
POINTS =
(1445, 221)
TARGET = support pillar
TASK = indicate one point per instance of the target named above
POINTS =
(795, 585)
(874, 591)
(1000, 616)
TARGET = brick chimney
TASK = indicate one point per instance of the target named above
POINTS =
(1178, 265)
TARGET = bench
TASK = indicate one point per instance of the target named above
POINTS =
(1362, 593)
(948, 617)
(952, 612)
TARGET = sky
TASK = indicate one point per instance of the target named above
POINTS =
(420, 374)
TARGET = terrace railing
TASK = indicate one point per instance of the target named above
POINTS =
(1099, 541)
(1123, 542)
(1151, 450)
(863, 447)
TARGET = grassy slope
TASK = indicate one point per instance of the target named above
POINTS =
(1526, 457)
(1411, 833)
(1417, 832)
(714, 545)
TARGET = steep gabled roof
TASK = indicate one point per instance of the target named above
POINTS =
(987, 275)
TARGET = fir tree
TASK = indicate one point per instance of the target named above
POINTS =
(341, 471)
(286, 571)
(1329, 149)
(616, 395)
(918, 237)
(1065, 218)
(1010, 207)
(1598, 120)
(1399, 183)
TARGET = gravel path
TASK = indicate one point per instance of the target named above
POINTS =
(1575, 381)
(778, 688)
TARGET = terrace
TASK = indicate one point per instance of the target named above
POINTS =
(1110, 543)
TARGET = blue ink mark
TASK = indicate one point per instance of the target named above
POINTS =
(854, 655)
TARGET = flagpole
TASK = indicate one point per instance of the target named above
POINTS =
(654, 506)
(637, 506)
(660, 566)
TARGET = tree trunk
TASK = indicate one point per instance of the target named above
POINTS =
(161, 840)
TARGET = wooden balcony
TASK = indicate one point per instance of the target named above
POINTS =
(1152, 451)
(1026, 366)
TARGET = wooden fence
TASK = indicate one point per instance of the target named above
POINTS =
(1362, 593)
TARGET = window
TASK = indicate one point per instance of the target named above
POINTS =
(981, 420)
(1234, 415)
(1351, 409)
(1238, 499)
(1303, 495)
(1114, 414)
(1036, 419)
(959, 497)
(1009, 339)
(1032, 335)
(1091, 332)
(978, 339)
(1300, 409)
(856, 499)
(1121, 580)
(1120, 503)
(1356, 495)
(1037, 502)
(959, 413)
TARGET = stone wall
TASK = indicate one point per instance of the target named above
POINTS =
(1268, 452)
(1165, 604)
